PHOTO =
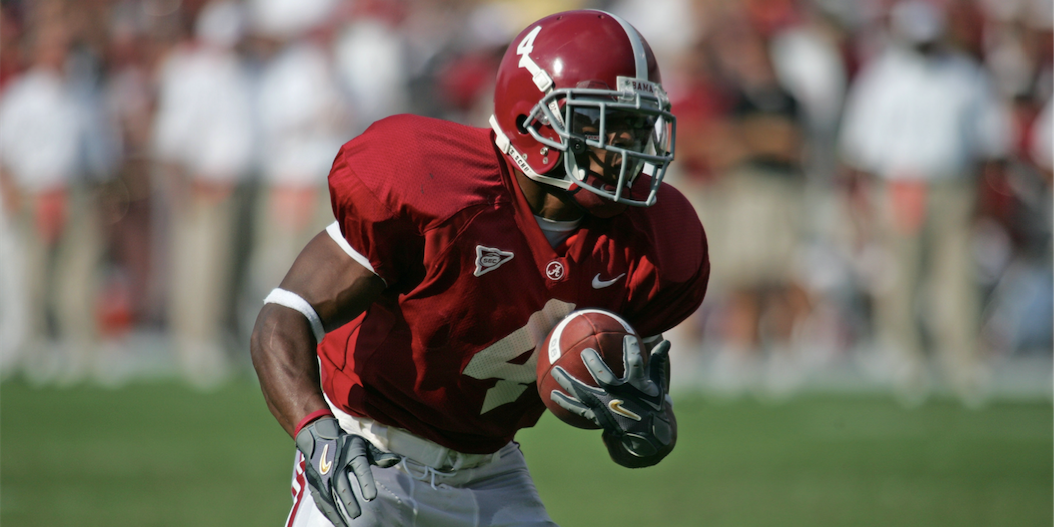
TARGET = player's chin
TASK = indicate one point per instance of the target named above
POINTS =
(599, 207)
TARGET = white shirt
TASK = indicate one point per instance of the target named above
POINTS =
(40, 130)
(370, 60)
(203, 119)
(671, 27)
(557, 231)
(809, 65)
(909, 117)
(300, 114)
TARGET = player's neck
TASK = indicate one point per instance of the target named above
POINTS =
(546, 201)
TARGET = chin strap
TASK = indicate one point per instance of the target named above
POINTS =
(503, 144)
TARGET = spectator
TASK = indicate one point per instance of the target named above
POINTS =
(369, 59)
(203, 141)
(301, 120)
(41, 132)
(761, 218)
(919, 120)
(808, 62)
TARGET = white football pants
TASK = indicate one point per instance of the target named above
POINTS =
(483, 491)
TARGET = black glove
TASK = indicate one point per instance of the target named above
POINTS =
(330, 451)
(634, 411)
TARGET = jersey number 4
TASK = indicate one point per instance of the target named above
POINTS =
(493, 362)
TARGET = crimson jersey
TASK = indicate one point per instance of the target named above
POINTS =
(473, 285)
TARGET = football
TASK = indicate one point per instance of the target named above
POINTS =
(587, 328)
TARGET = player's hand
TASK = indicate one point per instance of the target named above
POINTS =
(634, 411)
(332, 453)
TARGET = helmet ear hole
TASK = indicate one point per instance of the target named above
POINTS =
(521, 121)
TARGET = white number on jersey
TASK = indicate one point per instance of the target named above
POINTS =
(493, 362)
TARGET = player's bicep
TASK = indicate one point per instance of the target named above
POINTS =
(336, 284)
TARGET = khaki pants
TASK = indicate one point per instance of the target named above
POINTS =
(925, 229)
(202, 237)
(61, 278)
(754, 222)
(287, 218)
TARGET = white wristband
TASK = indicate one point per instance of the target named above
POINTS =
(294, 301)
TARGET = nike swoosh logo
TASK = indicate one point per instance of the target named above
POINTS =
(600, 284)
(616, 406)
(323, 465)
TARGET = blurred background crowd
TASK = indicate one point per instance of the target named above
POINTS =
(874, 176)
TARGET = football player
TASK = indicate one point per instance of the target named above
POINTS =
(399, 349)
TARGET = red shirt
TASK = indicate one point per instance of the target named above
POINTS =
(473, 285)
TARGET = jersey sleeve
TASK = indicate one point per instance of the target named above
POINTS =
(672, 280)
(400, 180)
(673, 302)
(372, 227)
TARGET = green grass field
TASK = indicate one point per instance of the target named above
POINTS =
(157, 454)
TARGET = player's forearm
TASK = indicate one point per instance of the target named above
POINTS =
(327, 286)
(283, 352)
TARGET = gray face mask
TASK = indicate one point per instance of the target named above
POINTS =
(609, 137)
